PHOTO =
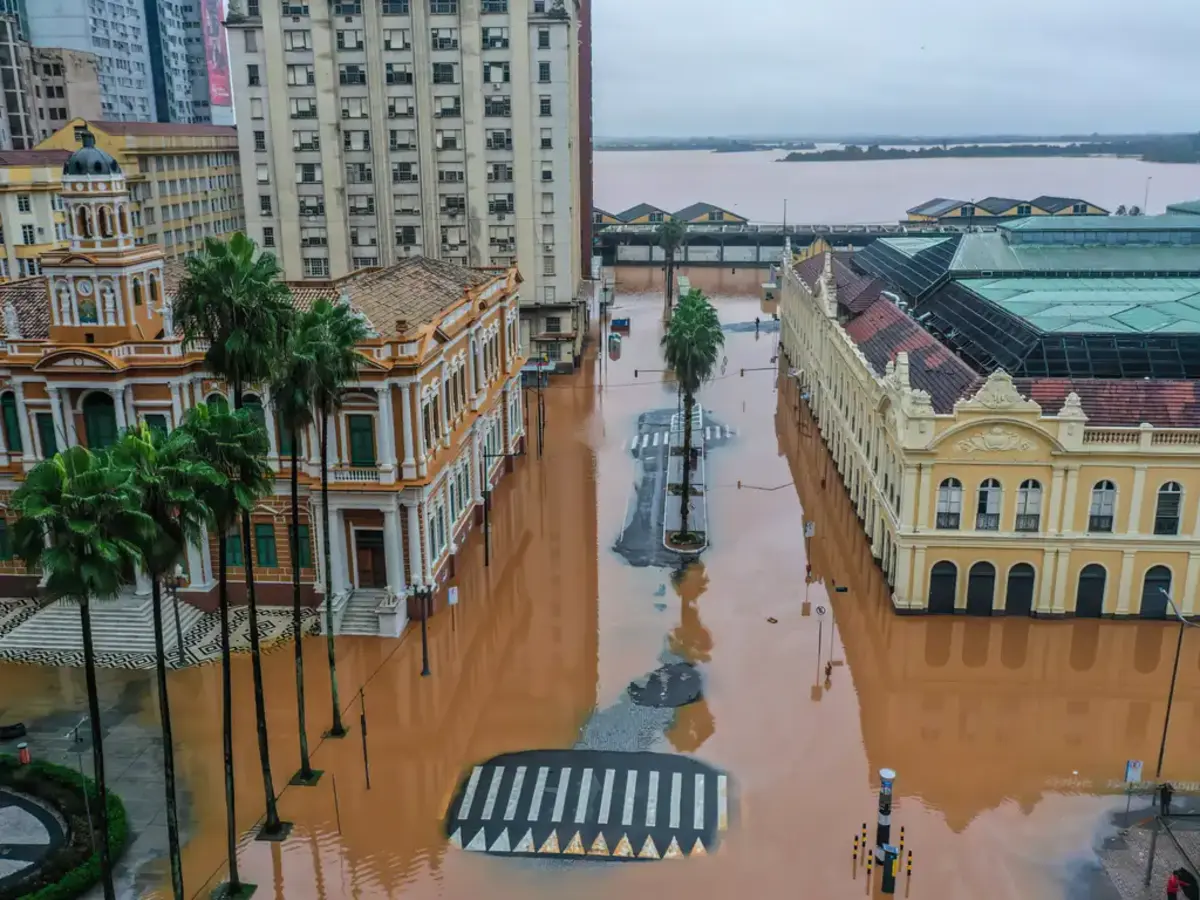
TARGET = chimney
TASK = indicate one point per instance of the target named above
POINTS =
(401, 326)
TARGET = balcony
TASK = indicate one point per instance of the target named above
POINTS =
(1100, 524)
(354, 474)
(1029, 522)
(948, 521)
(987, 522)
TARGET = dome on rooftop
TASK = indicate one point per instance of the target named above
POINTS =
(90, 159)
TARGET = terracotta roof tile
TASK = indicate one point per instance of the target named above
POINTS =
(33, 157)
(31, 300)
(1120, 403)
(164, 129)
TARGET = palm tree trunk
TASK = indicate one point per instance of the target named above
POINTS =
(164, 716)
(234, 887)
(685, 500)
(306, 772)
(337, 729)
(670, 283)
(101, 812)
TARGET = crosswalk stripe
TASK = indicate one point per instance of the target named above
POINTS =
(575, 846)
(585, 789)
(698, 810)
(652, 801)
(501, 845)
(469, 794)
(539, 788)
(633, 445)
(599, 846)
(551, 844)
(630, 787)
(479, 842)
(645, 440)
(708, 432)
(456, 838)
(526, 844)
(722, 803)
(560, 798)
(648, 851)
(610, 775)
(698, 849)
(624, 848)
(656, 439)
(493, 791)
(673, 851)
(676, 790)
(510, 811)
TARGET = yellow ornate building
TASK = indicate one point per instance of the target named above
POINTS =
(988, 494)
(90, 347)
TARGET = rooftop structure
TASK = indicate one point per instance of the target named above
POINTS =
(943, 209)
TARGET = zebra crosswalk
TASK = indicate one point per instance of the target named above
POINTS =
(650, 440)
(590, 803)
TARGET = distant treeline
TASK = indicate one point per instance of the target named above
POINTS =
(716, 145)
(1173, 149)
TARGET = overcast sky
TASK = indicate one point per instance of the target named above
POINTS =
(729, 67)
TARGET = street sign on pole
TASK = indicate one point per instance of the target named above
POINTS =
(452, 596)
(1133, 771)
(810, 529)
(822, 612)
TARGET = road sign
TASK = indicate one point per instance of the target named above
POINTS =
(452, 596)
(810, 529)
(1133, 771)
(822, 612)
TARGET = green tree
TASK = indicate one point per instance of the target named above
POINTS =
(171, 481)
(338, 331)
(691, 347)
(79, 521)
(671, 235)
(234, 445)
(292, 394)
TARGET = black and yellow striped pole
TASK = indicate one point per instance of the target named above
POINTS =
(883, 830)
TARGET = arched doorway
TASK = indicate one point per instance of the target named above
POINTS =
(99, 420)
(943, 587)
(1089, 595)
(981, 589)
(1018, 594)
(1155, 587)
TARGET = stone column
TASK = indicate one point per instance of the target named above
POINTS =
(337, 552)
(1133, 521)
(406, 415)
(176, 405)
(319, 555)
(1188, 600)
(420, 431)
(1054, 503)
(918, 598)
(118, 395)
(393, 550)
(415, 567)
(387, 433)
(195, 566)
(269, 425)
(141, 586)
(1125, 591)
(903, 574)
(472, 389)
(56, 412)
(1068, 513)
(925, 496)
(1045, 599)
(1062, 581)
(444, 399)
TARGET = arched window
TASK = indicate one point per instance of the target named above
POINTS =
(137, 292)
(1029, 505)
(99, 420)
(987, 513)
(943, 587)
(217, 403)
(106, 229)
(12, 422)
(1104, 503)
(252, 403)
(1166, 515)
(153, 283)
(981, 589)
(1089, 594)
(85, 223)
(1018, 595)
(1156, 588)
(949, 503)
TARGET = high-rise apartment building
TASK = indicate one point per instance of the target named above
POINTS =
(372, 130)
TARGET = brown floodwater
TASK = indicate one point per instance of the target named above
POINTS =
(1005, 733)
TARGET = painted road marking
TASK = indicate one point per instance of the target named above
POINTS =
(599, 846)
(708, 432)
(729, 432)
(456, 838)
(493, 792)
(673, 851)
(633, 445)
(469, 795)
(479, 842)
(648, 851)
(722, 803)
(630, 787)
(645, 441)
(501, 845)
(698, 849)
(539, 788)
(676, 790)
(560, 798)
(698, 809)
(526, 844)
(652, 801)
(585, 789)
(575, 847)
(551, 844)
(510, 811)
(624, 848)
(610, 775)
(656, 439)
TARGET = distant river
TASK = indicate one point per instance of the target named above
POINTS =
(755, 185)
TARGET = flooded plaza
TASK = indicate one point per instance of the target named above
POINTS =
(1009, 736)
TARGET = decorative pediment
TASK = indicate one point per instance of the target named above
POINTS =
(75, 259)
(369, 362)
(996, 439)
(998, 394)
(73, 360)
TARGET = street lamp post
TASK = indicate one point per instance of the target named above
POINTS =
(487, 502)
(1183, 623)
(423, 594)
(173, 582)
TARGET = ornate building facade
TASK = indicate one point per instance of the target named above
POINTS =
(90, 347)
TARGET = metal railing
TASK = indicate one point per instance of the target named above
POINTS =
(355, 473)
(948, 521)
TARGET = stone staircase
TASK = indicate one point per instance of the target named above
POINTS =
(360, 617)
(124, 625)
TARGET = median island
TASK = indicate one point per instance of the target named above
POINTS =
(1177, 149)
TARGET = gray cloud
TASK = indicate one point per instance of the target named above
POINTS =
(704, 67)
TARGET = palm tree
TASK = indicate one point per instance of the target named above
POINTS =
(171, 481)
(233, 298)
(80, 522)
(292, 394)
(691, 346)
(671, 235)
(339, 330)
(234, 445)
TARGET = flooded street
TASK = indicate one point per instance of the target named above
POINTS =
(1005, 734)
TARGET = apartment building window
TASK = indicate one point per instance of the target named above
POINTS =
(354, 107)
(302, 74)
(396, 39)
(263, 173)
(264, 204)
(24, 203)
(251, 38)
(27, 235)
(1029, 505)
(1103, 507)
(451, 176)
(453, 204)
(495, 73)
(407, 204)
(268, 237)
(306, 140)
(402, 172)
(359, 173)
(352, 74)
(297, 40)
(547, 202)
(443, 7)
(547, 138)
(312, 206)
(313, 237)
(501, 204)
(1166, 513)
(500, 172)
(447, 107)
(553, 323)
(543, 39)
(452, 236)
(256, 112)
(547, 171)
(495, 38)
(308, 173)
(494, 6)
(547, 265)
(356, 140)
(56, 203)
(548, 236)
(398, 73)
(444, 38)
(348, 8)
(447, 139)
(987, 510)
(316, 267)
(395, 7)
(445, 73)
(302, 107)
(544, 107)
(260, 141)
(292, 8)
(949, 504)
(500, 236)
(402, 139)
(544, 72)
(548, 294)
(362, 205)
(406, 235)
(365, 262)
(252, 76)
(497, 106)
(361, 236)
(499, 139)
(350, 39)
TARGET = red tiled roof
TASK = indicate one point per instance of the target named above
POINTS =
(855, 292)
(33, 157)
(1120, 403)
(858, 296)
(883, 330)
(164, 129)
(30, 298)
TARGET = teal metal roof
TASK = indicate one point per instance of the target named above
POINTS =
(990, 251)
(911, 246)
(1091, 305)
(1171, 221)
(1188, 207)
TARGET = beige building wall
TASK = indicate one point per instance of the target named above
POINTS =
(66, 86)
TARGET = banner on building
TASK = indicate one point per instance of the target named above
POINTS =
(216, 52)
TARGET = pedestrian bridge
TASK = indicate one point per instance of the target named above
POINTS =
(598, 804)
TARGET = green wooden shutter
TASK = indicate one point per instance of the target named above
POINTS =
(12, 426)
(47, 435)
(264, 545)
(233, 548)
(100, 423)
(5, 542)
(304, 552)
(362, 440)
(285, 439)
(157, 422)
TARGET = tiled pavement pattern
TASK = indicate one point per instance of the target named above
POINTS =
(15, 611)
(656, 441)
(602, 804)
(1123, 859)
(28, 832)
